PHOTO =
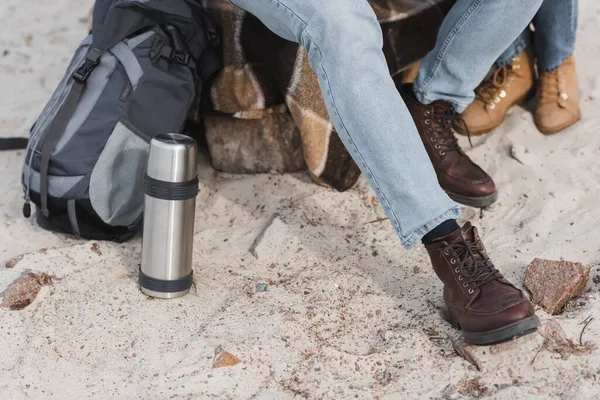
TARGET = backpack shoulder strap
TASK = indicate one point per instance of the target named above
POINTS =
(63, 117)
(13, 143)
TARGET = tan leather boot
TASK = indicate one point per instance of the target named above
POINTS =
(487, 307)
(507, 86)
(558, 99)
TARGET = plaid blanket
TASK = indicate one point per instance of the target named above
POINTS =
(267, 88)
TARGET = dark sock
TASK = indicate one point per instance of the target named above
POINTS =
(443, 229)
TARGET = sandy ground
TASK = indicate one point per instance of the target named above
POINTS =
(347, 313)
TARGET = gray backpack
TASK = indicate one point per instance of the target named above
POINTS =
(137, 77)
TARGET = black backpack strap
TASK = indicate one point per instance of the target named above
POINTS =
(72, 213)
(63, 117)
(13, 143)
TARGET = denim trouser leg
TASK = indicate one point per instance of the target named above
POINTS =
(472, 37)
(554, 39)
(522, 42)
(555, 31)
(344, 43)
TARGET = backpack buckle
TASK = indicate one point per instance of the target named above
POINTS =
(180, 57)
(85, 70)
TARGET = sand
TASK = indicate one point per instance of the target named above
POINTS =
(347, 313)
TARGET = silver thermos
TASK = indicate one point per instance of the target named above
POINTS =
(170, 187)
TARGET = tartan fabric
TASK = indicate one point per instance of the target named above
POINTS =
(262, 72)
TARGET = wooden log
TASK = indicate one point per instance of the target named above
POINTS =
(255, 142)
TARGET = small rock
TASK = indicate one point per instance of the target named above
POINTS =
(224, 358)
(23, 291)
(5, 53)
(473, 388)
(96, 248)
(383, 377)
(261, 287)
(14, 261)
(553, 283)
(596, 279)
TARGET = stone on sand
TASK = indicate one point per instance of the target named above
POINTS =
(553, 283)
(23, 291)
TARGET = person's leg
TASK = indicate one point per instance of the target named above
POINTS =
(516, 48)
(474, 34)
(554, 40)
(555, 32)
(344, 43)
(510, 82)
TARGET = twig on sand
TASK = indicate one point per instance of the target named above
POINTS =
(460, 346)
(536, 354)
(514, 154)
(260, 235)
(585, 323)
(378, 220)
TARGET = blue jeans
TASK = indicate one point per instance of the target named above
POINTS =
(554, 38)
(472, 33)
(344, 41)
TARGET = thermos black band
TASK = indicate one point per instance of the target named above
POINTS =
(161, 286)
(170, 190)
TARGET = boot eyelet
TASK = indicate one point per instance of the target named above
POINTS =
(456, 270)
(442, 153)
(460, 278)
(437, 146)
(427, 113)
(433, 139)
(465, 284)
(427, 122)
(471, 291)
(452, 261)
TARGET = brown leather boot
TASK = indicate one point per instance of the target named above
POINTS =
(463, 180)
(508, 85)
(487, 307)
(558, 99)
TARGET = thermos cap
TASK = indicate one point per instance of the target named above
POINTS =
(172, 158)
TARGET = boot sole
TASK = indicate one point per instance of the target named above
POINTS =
(554, 131)
(506, 333)
(477, 202)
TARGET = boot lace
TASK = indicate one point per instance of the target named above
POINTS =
(493, 89)
(474, 265)
(442, 120)
(553, 88)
